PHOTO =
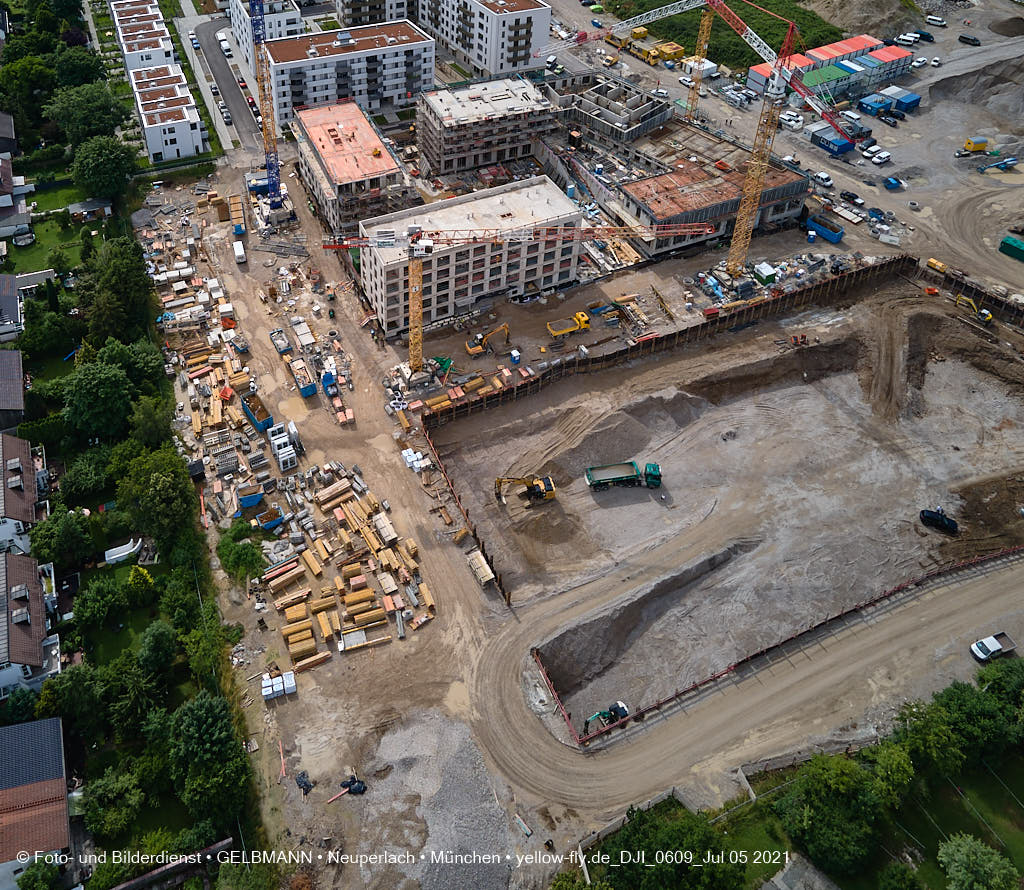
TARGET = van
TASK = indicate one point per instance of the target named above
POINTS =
(903, 40)
(850, 116)
(969, 40)
(552, 61)
(239, 250)
(823, 178)
(935, 20)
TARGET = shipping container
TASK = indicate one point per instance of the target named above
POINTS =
(1012, 247)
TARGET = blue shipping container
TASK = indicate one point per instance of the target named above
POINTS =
(909, 102)
(830, 231)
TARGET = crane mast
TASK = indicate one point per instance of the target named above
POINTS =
(262, 60)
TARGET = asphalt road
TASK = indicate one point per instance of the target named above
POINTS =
(241, 118)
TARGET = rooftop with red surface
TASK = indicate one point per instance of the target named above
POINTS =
(347, 143)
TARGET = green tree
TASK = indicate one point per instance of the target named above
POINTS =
(204, 645)
(140, 587)
(151, 421)
(76, 65)
(158, 495)
(48, 333)
(97, 400)
(927, 734)
(235, 876)
(102, 166)
(29, 44)
(180, 601)
(972, 865)
(76, 696)
(86, 475)
(21, 706)
(131, 694)
(158, 649)
(39, 875)
(141, 360)
(66, 9)
(46, 22)
(59, 261)
(831, 811)
(894, 772)
(98, 601)
(1004, 679)
(88, 249)
(61, 538)
(573, 880)
(27, 85)
(86, 111)
(207, 761)
(123, 307)
(898, 876)
(977, 720)
(112, 803)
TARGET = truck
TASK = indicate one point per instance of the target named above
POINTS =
(239, 249)
(222, 40)
(280, 340)
(580, 321)
(938, 519)
(1012, 247)
(627, 473)
(825, 228)
(993, 647)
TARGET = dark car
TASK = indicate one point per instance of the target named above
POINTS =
(885, 119)
(852, 197)
(938, 519)
(969, 39)
(867, 143)
(896, 113)
(925, 36)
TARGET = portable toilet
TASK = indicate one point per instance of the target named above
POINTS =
(516, 357)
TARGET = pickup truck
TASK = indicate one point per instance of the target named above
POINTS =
(939, 520)
(992, 647)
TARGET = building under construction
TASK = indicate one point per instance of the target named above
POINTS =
(348, 169)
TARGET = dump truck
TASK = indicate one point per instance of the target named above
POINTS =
(580, 321)
(997, 645)
(627, 473)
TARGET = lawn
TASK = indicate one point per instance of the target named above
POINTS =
(455, 66)
(111, 642)
(51, 368)
(49, 235)
(328, 24)
(407, 114)
(57, 198)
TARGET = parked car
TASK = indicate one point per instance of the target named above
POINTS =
(792, 161)
(662, 93)
(871, 150)
(191, 35)
(868, 143)
(936, 62)
(852, 197)
(919, 62)
(686, 81)
(883, 157)
(214, 89)
(886, 119)
(938, 519)
(962, 153)
(195, 43)
(935, 20)
(241, 82)
(222, 105)
(896, 113)
(925, 36)
(969, 39)
(227, 118)
(822, 178)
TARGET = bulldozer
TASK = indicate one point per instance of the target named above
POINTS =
(615, 713)
(538, 488)
(478, 345)
(982, 315)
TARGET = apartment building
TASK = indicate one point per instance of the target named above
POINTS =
(142, 34)
(171, 125)
(491, 37)
(456, 277)
(379, 66)
(483, 123)
(346, 166)
(29, 654)
(281, 18)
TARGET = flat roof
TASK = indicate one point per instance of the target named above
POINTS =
(134, 46)
(483, 101)
(693, 186)
(347, 143)
(797, 60)
(503, 6)
(389, 35)
(158, 73)
(526, 203)
(171, 115)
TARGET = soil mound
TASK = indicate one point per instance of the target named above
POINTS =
(999, 89)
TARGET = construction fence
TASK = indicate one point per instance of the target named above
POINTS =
(830, 290)
(909, 586)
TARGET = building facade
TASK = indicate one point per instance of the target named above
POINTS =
(379, 67)
(349, 171)
(457, 277)
(171, 125)
(281, 18)
(480, 124)
(491, 37)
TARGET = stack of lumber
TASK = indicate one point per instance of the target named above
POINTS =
(291, 599)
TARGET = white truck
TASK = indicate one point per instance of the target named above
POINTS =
(239, 249)
(993, 647)
(225, 47)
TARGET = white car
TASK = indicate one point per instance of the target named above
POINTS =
(883, 157)
(823, 178)
(936, 62)
(872, 151)
(686, 81)
(919, 62)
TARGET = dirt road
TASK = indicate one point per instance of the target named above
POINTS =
(829, 683)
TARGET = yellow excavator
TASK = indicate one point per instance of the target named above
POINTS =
(538, 488)
(982, 315)
(478, 345)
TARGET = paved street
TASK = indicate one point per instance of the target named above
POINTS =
(225, 72)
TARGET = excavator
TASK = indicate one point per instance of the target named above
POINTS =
(478, 345)
(614, 714)
(538, 488)
(982, 315)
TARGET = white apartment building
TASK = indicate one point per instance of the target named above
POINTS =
(492, 37)
(379, 66)
(171, 125)
(142, 34)
(281, 18)
(456, 277)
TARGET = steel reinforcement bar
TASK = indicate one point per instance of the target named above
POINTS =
(823, 292)
(583, 741)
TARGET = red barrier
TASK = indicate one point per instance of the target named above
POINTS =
(679, 693)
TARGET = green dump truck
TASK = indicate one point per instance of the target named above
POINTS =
(627, 473)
